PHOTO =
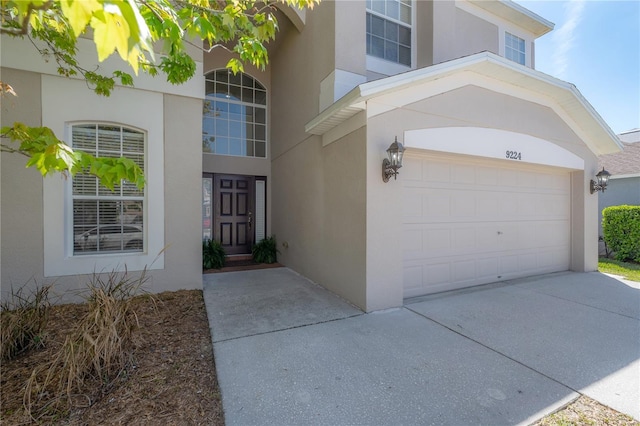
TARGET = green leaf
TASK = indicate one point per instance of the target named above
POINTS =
(111, 32)
(79, 13)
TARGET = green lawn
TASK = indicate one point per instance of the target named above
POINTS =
(630, 271)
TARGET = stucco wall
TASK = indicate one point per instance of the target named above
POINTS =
(318, 192)
(458, 33)
(183, 196)
(424, 33)
(301, 62)
(319, 213)
(21, 257)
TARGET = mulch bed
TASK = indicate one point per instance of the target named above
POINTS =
(171, 380)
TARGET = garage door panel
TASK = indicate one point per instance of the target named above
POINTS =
(487, 176)
(488, 268)
(471, 222)
(412, 170)
(462, 174)
(413, 281)
(412, 206)
(464, 270)
(436, 241)
(435, 204)
(436, 172)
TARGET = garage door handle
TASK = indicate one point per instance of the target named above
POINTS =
(499, 233)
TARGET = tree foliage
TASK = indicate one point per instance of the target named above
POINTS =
(148, 35)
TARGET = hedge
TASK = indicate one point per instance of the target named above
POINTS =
(621, 229)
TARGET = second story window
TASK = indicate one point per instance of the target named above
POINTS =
(514, 48)
(234, 118)
(389, 30)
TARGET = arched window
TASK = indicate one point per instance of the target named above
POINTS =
(234, 117)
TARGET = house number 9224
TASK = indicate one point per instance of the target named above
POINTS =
(513, 155)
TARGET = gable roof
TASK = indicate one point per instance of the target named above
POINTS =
(565, 97)
(627, 162)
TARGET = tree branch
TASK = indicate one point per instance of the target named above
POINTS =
(24, 29)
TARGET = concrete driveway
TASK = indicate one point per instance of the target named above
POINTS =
(290, 353)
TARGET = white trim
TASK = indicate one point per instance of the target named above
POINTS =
(627, 176)
(485, 66)
(337, 84)
(509, 12)
(382, 66)
(493, 143)
(261, 200)
(66, 101)
(349, 126)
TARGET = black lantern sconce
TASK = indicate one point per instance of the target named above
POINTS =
(391, 164)
(602, 180)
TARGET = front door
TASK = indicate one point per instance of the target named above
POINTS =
(233, 206)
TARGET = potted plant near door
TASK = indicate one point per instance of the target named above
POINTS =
(213, 255)
(266, 251)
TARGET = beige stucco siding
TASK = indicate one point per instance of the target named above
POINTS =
(424, 33)
(319, 213)
(318, 192)
(300, 63)
(183, 196)
(21, 257)
(350, 36)
(458, 33)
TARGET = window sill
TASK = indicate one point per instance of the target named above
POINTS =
(385, 67)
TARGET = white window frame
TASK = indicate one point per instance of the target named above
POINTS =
(66, 102)
(242, 103)
(69, 246)
(506, 48)
(383, 66)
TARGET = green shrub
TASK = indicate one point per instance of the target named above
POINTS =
(23, 320)
(621, 229)
(213, 255)
(266, 251)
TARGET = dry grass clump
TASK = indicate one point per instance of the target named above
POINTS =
(23, 319)
(96, 351)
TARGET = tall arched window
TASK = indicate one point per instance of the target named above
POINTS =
(234, 117)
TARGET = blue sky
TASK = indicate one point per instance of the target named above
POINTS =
(596, 46)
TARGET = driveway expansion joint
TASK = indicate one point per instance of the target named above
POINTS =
(494, 350)
(288, 328)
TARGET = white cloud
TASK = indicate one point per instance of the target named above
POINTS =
(564, 37)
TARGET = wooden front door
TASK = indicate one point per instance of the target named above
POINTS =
(234, 210)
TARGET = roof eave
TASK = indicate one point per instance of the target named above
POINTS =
(355, 100)
(518, 14)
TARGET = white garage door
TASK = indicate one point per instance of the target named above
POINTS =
(471, 221)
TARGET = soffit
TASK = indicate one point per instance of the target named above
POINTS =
(519, 15)
(406, 88)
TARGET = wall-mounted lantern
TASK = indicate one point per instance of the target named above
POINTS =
(391, 164)
(602, 180)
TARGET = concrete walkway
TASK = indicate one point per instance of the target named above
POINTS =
(290, 353)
